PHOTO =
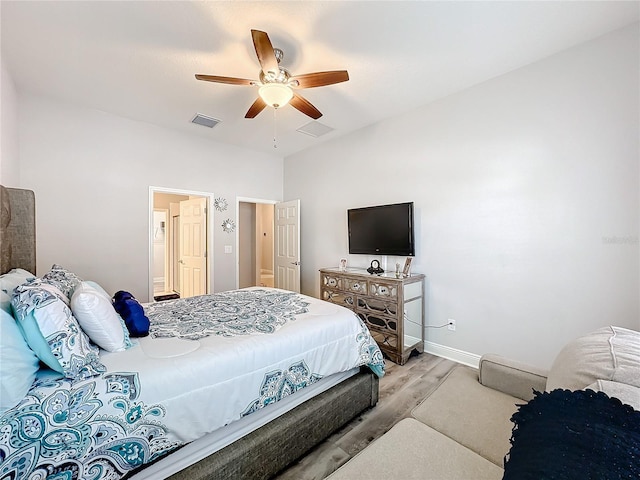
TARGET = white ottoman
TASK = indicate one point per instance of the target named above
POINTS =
(412, 450)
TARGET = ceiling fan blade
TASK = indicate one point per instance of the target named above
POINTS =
(256, 108)
(303, 105)
(320, 79)
(229, 80)
(264, 51)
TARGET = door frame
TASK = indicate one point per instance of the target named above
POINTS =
(166, 247)
(179, 191)
(237, 239)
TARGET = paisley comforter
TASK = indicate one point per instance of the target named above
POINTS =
(207, 362)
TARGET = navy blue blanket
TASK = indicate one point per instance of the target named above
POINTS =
(565, 435)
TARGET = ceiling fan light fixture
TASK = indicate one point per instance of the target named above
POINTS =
(276, 84)
(275, 95)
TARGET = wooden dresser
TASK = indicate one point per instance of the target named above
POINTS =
(392, 307)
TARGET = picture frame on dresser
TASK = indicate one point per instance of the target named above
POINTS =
(406, 271)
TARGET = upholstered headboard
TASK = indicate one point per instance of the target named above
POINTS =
(17, 229)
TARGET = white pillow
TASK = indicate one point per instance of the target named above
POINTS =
(97, 317)
(609, 353)
(627, 394)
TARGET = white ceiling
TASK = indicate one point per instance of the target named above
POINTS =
(138, 59)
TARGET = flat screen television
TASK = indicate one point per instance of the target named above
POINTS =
(382, 230)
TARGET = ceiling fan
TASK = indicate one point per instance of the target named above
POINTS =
(276, 84)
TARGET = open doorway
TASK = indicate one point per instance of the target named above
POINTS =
(255, 244)
(268, 246)
(180, 239)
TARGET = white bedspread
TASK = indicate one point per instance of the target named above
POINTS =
(207, 383)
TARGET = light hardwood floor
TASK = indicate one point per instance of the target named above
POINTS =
(401, 389)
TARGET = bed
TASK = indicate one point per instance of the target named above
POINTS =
(240, 394)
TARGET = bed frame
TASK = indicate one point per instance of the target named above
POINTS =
(271, 448)
(258, 455)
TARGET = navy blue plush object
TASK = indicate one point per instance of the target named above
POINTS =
(581, 435)
(132, 313)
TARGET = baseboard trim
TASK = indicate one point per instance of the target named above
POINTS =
(460, 356)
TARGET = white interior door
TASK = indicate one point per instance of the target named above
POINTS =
(193, 247)
(287, 245)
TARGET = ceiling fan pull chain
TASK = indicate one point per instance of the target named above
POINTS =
(275, 129)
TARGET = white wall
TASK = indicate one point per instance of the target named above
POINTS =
(526, 190)
(9, 150)
(91, 173)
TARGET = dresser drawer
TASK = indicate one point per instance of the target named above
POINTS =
(383, 289)
(355, 285)
(332, 281)
(385, 340)
(378, 306)
(339, 298)
(379, 322)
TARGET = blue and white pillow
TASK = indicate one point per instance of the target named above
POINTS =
(63, 279)
(52, 332)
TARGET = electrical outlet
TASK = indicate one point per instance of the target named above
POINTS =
(452, 325)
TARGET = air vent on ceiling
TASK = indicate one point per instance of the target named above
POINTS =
(315, 129)
(205, 120)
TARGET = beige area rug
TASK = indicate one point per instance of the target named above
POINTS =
(412, 450)
(476, 416)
